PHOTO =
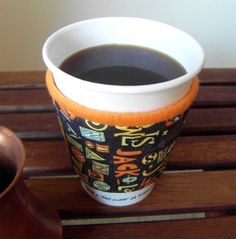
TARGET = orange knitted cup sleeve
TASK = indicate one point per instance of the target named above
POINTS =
(73, 109)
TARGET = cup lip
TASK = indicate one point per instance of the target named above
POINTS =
(119, 89)
(21, 161)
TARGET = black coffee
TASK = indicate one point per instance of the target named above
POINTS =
(122, 65)
(7, 175)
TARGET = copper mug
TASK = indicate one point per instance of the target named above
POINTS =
(22, 215)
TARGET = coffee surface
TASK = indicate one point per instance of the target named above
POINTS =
(122, 65)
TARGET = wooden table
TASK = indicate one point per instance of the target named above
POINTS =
(195, 198)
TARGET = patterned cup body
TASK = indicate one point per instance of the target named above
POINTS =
(118, 164)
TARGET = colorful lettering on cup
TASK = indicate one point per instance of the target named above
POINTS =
(140, 142)
(96, 126)
(99, 147)
(152, 171)
(73, 142)
(127, 188)
(129, 131)
(129, 179)
(100, 168)
(77, 154)
(124, 160)
(101, 186)
(165, 132)
(149, 158)
(95, 175)
(92, 155)
(128, 153)
(102, 148)
(135, 136)
(89, 144)
(92, 134)
(129, 167)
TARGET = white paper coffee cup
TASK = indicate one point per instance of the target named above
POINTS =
(110, 100)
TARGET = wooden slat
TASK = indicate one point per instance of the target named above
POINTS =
(174, 193)
(27, 122)
(218, 76)
(208, 152)
(217, 96)
(214, 120)
(45, 158)
(22, 78)
(199, 121)
(217, 228)
(37, 96)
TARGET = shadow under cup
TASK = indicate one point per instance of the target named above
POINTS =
(119, 137)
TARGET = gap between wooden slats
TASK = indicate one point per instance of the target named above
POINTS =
(153, 218)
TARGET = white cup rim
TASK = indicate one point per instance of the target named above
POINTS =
(117, 88)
